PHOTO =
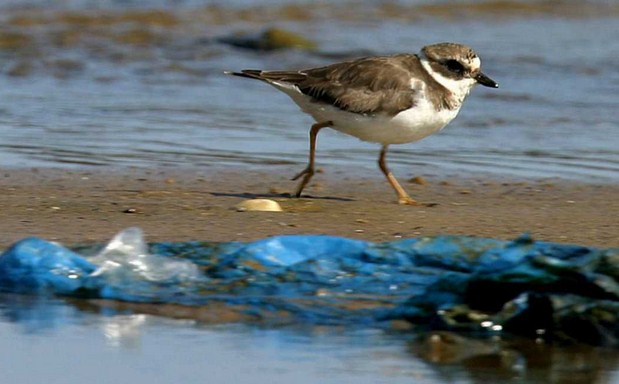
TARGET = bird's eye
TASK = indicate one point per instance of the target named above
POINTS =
(454, 66)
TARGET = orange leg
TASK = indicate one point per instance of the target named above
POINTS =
(403, 197)
(308, 172)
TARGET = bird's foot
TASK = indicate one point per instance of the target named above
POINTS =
(407, 200)
(307, 174)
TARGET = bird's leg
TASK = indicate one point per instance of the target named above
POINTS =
(308, 172)
(403, 197)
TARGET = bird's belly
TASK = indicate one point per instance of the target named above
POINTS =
(407, 126)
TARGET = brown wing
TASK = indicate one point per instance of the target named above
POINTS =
(367, 86)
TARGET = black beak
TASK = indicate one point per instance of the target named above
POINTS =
(486, 81)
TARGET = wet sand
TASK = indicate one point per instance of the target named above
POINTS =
(92, 205)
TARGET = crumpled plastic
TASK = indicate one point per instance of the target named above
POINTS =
(535, 289)
(465, 284)
(123, 270)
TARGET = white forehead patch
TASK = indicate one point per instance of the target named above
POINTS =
(475, 63)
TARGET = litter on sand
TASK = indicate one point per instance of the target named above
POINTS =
(464, 284)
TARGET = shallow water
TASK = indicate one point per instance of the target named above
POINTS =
(52, 341)
(149, 90)
(64, 345)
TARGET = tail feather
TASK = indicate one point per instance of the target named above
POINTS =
(249, 73)
(291, 77)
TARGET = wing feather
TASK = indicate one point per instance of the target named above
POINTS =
(366, 86)
(370, 85)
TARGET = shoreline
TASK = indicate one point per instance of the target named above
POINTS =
(77, 206)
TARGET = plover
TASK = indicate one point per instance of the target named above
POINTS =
(382, 99)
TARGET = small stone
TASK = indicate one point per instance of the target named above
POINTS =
(265, 205)
(20, 69)
(418, 180)
(270, 40)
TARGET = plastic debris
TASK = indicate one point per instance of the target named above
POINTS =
(536, 289)
(35, 265)
(465, 284)
(122, 270)
(127, 271)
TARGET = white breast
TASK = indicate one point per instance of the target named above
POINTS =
(407, 126)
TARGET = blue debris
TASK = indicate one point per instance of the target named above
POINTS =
(35, 265)
(477, 285)
(529, 288)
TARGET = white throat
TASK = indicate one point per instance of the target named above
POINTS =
(459, 88)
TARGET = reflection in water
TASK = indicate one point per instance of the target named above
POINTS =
(439, 357)
(39, 315)
(124, 330)
(483, 361)
(34, 314)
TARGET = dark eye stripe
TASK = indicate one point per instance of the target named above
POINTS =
(454, 66)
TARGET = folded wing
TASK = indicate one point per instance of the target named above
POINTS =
(369, 85)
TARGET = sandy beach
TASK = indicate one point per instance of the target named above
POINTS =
(82, 206)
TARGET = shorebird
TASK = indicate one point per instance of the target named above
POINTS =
(388, 100)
